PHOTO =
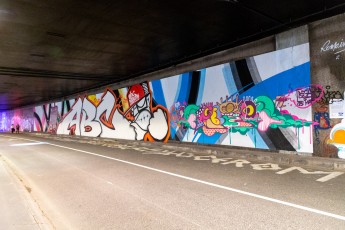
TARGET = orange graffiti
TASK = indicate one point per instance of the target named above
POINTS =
(108, 122)
(339, 137)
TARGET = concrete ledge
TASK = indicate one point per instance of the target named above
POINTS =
(286, 158)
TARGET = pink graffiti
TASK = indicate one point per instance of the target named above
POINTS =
(191, 121)
(305, 97)
(266, 121)
(205, 112)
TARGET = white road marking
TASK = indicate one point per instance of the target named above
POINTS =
(303, 171)
(208, 183)
(25, 144)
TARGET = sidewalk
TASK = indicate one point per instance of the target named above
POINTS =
(18, 209)
(266, 156)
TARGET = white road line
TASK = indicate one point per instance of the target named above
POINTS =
(25, 144)
(209, 183)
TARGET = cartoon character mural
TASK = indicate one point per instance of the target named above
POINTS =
(337, 138)
(132, 117)
(262, 102)
(238, 116)
(150, 123)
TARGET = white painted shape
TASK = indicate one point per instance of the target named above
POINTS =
(88, 120)
(330, 175)
(28, 144)
(239, 163)
(300, 54)
(170, 90)
(159, 126)
(272, 63)
(69, 120)
(238, 139)
(189, 136)
(123, 130)
(215, 85)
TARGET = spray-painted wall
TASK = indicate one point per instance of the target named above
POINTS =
(261, 102)
(327, 42)
(258, 102)
(275, 100)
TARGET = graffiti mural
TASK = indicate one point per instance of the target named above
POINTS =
(236, 115)
(127, 117)
(263, 102)
(329, 96)
(48, 116)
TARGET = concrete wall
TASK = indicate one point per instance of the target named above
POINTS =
(327, 45)
(270, 94)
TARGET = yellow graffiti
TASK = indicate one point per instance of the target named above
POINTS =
(214, 117)
(93, 99)
(338, 137)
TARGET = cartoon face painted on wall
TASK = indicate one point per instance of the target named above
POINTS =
(337, 138)
(150, 123)
(139, 101)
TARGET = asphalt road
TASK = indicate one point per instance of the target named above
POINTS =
(87, 186)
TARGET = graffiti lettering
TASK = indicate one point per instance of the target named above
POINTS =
(304, 97)
(335, 46)
(71, 122)
(329, 96)
(102, 117)
(89, 126)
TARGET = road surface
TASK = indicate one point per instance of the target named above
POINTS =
(88, 186)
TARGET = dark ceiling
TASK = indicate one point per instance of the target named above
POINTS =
(55, 48)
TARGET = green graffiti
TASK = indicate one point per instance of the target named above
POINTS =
(266, 104)
(190, 109)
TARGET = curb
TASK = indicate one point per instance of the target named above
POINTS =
(286, 158)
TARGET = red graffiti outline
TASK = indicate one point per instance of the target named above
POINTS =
(73, 127)
(108, 123)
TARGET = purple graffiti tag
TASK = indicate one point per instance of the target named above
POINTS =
(305, 97)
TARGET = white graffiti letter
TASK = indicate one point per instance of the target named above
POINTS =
(70, 124)
(158, 127)
(114, 125)
(88, 125)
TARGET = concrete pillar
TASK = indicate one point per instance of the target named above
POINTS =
(293, 37)
(327, 45)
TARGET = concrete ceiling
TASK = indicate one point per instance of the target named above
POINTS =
(55, 48)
